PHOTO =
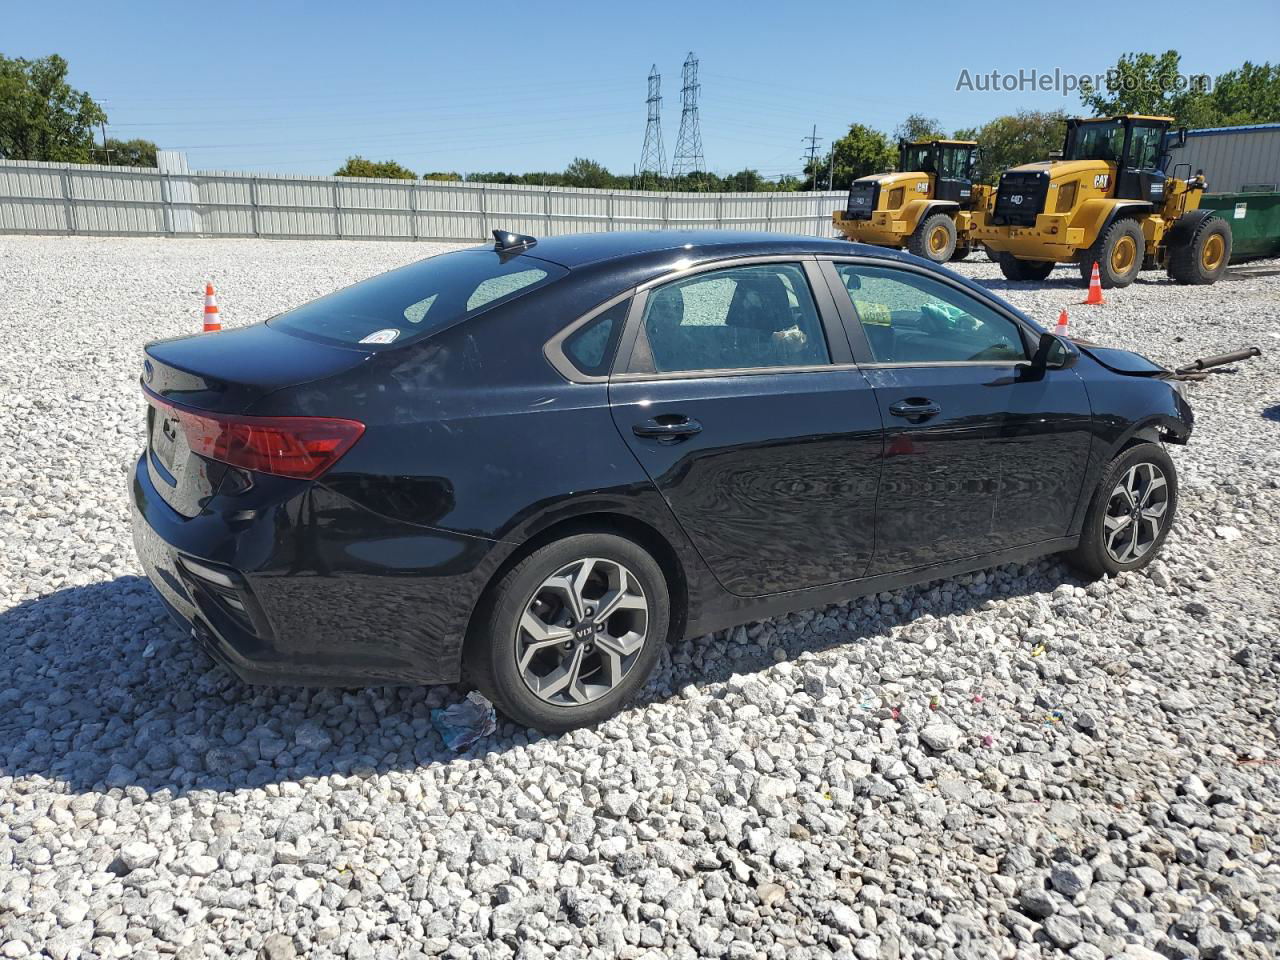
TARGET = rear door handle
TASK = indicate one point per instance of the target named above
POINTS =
(668, 427)
(915, 408)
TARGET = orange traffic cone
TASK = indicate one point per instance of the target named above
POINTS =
(1061, 329)
(212, 322)
(1094, 299)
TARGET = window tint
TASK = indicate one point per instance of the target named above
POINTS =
(590, 347)
(1144, 147)
(739, 317)
(911, 318)
(418, 299)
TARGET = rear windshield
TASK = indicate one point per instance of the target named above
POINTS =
(418, 299)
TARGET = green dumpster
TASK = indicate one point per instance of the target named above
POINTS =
(1254, 219)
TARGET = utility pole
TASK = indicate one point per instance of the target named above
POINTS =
(831, 168)
(812, 164)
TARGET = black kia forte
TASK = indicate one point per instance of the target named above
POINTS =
(539, 461)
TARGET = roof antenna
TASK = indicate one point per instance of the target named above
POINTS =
(504, 241)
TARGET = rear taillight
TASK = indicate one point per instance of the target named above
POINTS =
(300, 447)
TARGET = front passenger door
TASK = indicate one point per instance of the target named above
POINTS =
(978, 456)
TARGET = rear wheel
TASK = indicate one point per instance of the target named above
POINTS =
(571, 632)
(934, 238)
(1015, 269)
(1130, 514)
(1204, 259)
(1119, 252)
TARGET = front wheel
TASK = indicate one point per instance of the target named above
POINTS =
(1119, 253)
(1130, 514)
(1015, 269)
(571, 632)
(1205, 258)
(934, 239)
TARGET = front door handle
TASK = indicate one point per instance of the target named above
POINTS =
(915, 408)
(668, 427)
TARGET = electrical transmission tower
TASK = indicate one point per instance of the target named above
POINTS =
(653, 158)
(688, 157)
(812, 156)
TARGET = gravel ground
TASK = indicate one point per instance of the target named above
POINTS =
(1008, 764)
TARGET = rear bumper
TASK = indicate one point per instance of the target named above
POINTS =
(311, 588)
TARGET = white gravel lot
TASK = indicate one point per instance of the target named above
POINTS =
(1009, 764)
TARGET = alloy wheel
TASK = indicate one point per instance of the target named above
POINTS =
(1136, 513)
(582, 631)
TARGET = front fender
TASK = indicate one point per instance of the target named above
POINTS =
(1095, 215)
(915, 211)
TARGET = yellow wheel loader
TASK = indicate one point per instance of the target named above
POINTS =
(1108, 201)
(927, 206)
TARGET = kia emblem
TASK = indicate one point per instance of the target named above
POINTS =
(147, 370)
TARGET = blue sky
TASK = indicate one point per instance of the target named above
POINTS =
(298, 86)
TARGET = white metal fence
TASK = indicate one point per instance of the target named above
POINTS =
(132, 201)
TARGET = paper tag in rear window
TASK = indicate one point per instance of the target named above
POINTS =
(381, 336)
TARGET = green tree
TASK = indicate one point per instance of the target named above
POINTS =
(588, 173)
(1150, 84)
(358, 166)
(1022, 137)
(746, 181)
(441, 176)
(128, 153)
(1250, 94)
(41, 116)
(917, 127)
(859, 152)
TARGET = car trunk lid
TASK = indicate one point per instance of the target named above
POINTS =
(225, 373)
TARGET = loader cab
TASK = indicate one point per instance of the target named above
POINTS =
(1134, 145)
(949, 163)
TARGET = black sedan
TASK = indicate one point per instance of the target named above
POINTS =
(539, 461)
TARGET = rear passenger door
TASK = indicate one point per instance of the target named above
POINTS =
(737, 394)
(978, 455)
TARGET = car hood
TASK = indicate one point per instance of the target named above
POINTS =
(1121, 361)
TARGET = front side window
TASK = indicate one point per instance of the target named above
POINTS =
(911, 318)
(1144, 147)
(736, 318)
(416, 300)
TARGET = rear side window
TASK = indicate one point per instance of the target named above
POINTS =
(419, 299)
(590, 347)
(738, 318)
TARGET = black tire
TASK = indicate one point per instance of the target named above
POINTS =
(1203, 260)
(1092, 556)
(934, 238)
(1015, 269)
(961, 253)
(1118, 251)
(491, 651)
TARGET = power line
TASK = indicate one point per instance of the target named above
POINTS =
(688, 156)
(653, 158)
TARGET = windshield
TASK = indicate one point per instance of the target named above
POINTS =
(1103, 140)
(419, 299)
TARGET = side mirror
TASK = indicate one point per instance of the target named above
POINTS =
(1054, 353)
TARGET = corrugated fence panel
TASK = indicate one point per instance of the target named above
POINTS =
(451, 211)
(87, 198)
(578, 211)
(121, 200)
(31, 200)
(639, 211)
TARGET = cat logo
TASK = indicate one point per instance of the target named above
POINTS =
(1102, 181)
(922, 186)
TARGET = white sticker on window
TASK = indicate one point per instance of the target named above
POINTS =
(382, 336)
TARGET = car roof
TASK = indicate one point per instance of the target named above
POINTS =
(577, 250)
